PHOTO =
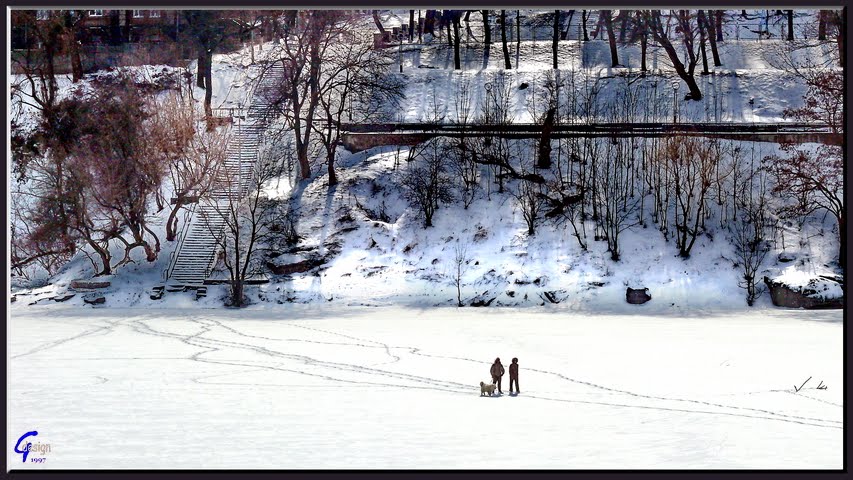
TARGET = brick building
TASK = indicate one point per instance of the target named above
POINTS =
(103, 27)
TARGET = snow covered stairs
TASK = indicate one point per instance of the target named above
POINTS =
(196, 254)
(198, 251)
(235, 178)
(266, 92)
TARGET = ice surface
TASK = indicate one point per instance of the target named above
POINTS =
(331, 387)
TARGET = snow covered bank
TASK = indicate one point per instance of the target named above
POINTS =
(375, 251)
(332, 387)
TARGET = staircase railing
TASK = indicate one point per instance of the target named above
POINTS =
(239, 112)
(182, 234)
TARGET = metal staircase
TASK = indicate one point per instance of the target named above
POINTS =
(196, 252)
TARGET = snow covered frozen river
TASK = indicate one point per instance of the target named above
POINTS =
(343, 387)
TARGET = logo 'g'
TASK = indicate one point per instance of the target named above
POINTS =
(26, 450)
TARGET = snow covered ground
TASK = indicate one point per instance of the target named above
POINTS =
(330, 386)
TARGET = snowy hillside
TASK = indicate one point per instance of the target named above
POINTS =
(367, 243)
(376, 252)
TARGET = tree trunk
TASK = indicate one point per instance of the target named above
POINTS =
(330, 158)
(544, 156)
(687, 40)
(842, 246)
(821, 25)
(105, 257)
(208, 81)
(74, 53)
(172, 222)
(790, 25)
(700, 20)
(378, 23)
(457, 60)
(623, 28)
(712, 37)
(50, 56)
(517, 32)
(237, 292)
(128, 20)
(842, 32)
(556, 36)
(644, 42)
(583, 23)
(429, 22)
(611, 37)
(302, 156)
(411, 25)
(663, 41)
(487, 28)
(277, 33)
(202, 62)
(115, 27)
(718, 24)
(507, 63)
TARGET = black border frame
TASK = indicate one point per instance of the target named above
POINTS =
(440, 470)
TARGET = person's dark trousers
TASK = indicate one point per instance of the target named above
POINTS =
(515, 380)
(497, 381)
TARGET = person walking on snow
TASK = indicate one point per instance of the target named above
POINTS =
(513, 375)
(497, 372)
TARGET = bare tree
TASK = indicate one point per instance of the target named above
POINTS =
(355, 73)
(555, 38)
(194, 154)
(487, 27)
(607, 16)
(463, 164)
(749, 231)
(123, 162)
(425, 182)
(378, 22)
(507, 63)
(497, 110)
(314, 40)
(617, 209)
(813, 178)
(460, 267)
(38, 88)
(691, 171)
(247, 221)
(659, 33)
(94, 185)
(529, 200)
(455, 16)
(211, 29)
(812, 181)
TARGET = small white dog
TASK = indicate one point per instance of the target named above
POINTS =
(487, 388)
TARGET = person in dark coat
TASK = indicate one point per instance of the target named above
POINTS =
(497, 372)
(513, 375)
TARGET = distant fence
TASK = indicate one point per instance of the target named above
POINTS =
(97, 57)
(358, 137)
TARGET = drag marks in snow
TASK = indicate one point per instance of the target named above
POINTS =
(213, 345)
(204, 338)
(751, 412)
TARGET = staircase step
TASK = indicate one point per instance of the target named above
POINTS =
(197, 253)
